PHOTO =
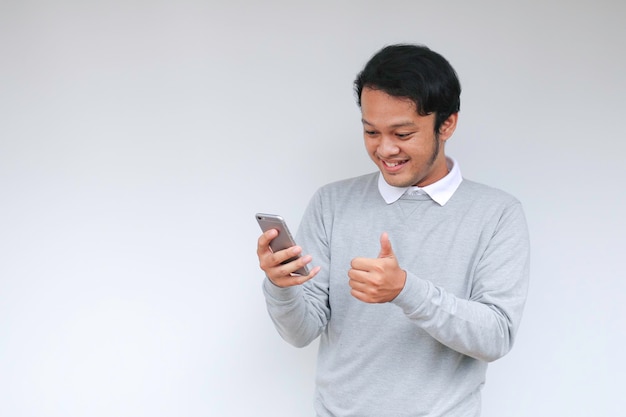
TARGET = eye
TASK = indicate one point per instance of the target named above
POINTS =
(403, 135)
(371, 132)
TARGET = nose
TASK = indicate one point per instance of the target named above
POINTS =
(387, 147)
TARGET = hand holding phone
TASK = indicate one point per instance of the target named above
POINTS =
(283, 240)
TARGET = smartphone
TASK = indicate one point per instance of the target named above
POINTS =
(284, 239)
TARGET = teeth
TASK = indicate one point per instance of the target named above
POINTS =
(392, 164)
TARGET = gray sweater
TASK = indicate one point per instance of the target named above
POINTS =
(425, 353)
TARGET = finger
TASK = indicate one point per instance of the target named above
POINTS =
(263, 243)
(385, 247)
(281, 263)
(301, 279)
(293, 280)
(358, 291)
(357, 275)
(361, 264)
(288, 256)
(284, 262)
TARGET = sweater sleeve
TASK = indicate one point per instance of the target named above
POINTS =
(483, 326)
(301, 313)
(296, 318)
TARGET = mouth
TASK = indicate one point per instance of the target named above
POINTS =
(393, 165)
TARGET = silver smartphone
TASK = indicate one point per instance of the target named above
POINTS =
(284, 239)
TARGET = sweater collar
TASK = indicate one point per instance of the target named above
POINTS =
(440, 191)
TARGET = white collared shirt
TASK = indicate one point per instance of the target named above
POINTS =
(440, 191)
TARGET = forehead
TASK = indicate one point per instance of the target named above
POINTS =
(381, 109)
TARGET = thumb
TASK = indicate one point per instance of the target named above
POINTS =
(385, 247)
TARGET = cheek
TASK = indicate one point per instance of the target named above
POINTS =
(370, 145)
(423, 146)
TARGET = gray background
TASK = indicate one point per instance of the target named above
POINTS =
(138, 139)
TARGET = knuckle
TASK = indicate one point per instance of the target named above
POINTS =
(283, 270)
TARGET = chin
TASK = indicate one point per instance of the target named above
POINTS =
(397, 182)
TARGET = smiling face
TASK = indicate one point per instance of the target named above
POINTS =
(402, 143)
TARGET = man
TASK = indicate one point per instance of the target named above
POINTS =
(407, 329)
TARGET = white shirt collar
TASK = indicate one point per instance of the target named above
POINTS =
(440, 191)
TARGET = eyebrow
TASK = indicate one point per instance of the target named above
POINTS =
(394, 126)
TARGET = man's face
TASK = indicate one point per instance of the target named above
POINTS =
(402, 143)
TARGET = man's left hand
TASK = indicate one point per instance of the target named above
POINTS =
(377, 280)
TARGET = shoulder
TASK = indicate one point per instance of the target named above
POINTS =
(484, 204)
(346, 193)
(361, 184)
(336, 200)
(472, 191)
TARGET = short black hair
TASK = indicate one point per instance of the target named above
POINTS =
(417, 73)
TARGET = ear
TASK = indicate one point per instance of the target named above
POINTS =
(448, 127)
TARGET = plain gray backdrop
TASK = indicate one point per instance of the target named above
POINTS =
(138, 139)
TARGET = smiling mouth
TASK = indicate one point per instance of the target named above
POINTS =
(393, 164)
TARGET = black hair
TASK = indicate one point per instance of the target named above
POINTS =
(417, 73)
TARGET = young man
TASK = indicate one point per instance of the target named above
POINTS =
(407, 329)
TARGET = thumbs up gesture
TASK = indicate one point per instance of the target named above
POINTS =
(377, 280)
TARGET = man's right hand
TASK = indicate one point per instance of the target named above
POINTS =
(271, 263)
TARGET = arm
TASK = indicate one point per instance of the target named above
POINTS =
(298, 306)
(482, 326)
(297, 315)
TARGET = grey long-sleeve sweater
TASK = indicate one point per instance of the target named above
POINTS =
(425, 353)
